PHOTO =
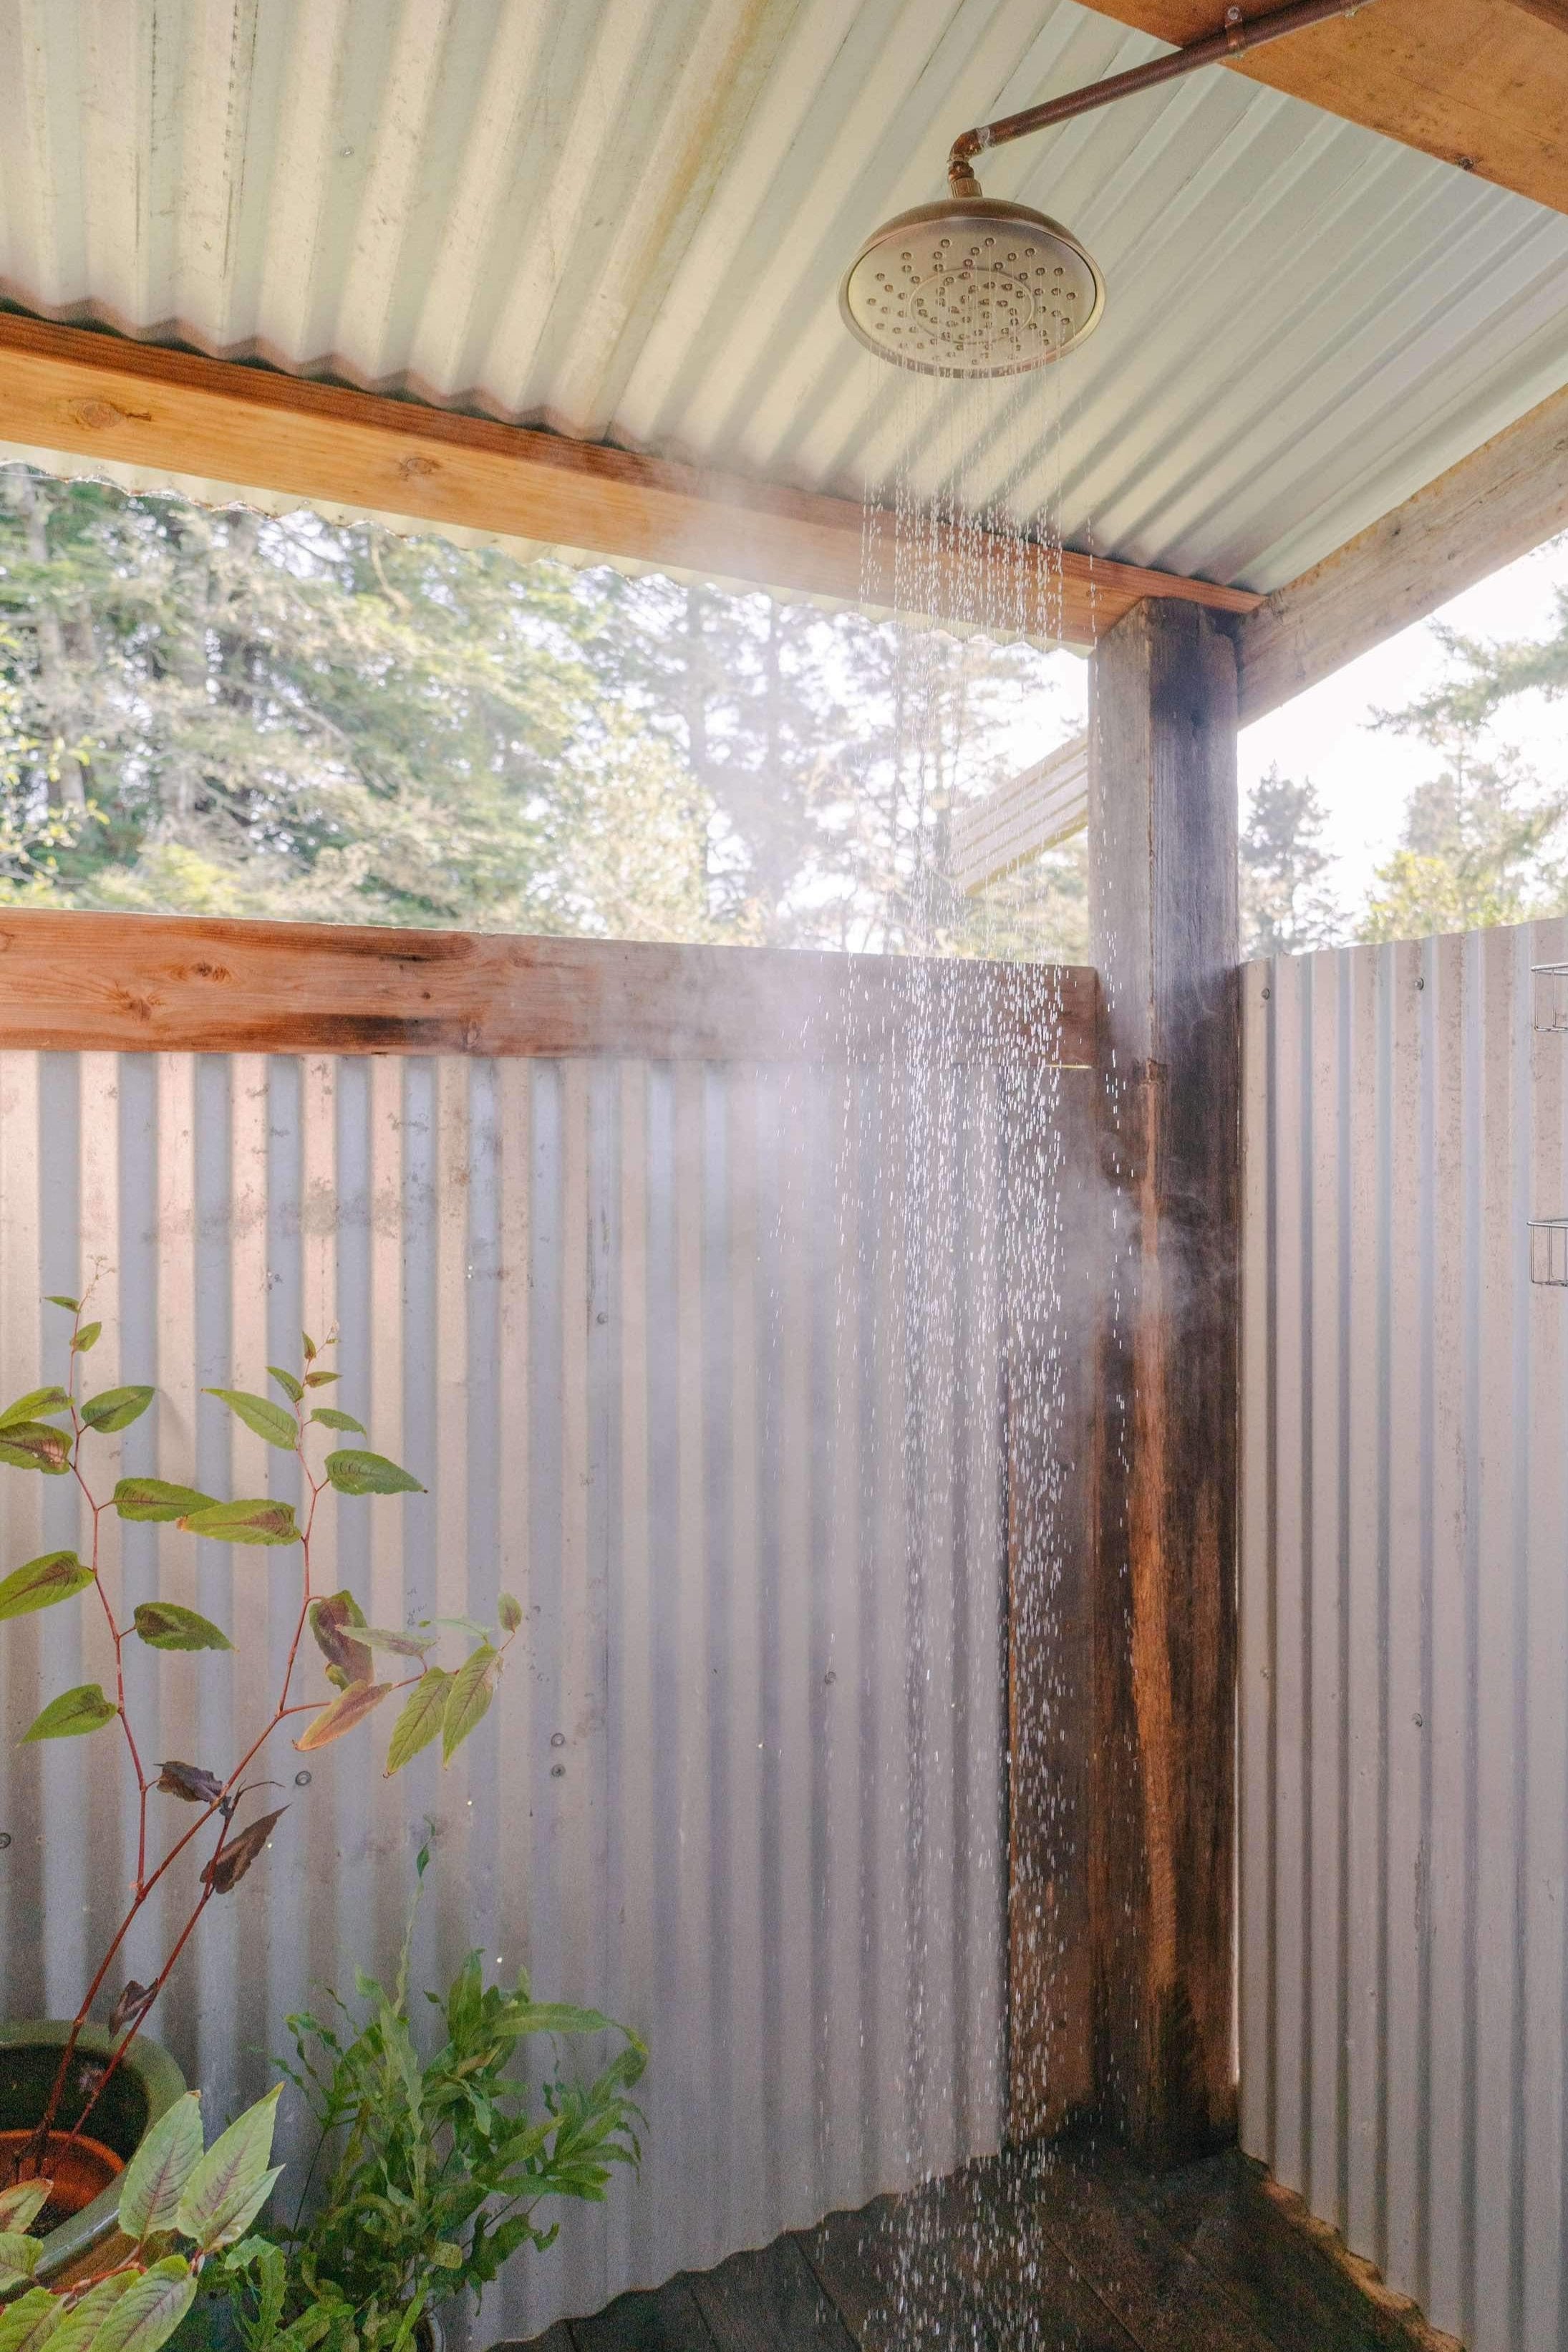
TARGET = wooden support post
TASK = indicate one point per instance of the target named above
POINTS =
(1163, 894)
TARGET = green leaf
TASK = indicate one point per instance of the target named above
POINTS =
(230, 2186)
(369, 1474)
(165, 1626)
(322, 1379)
(473, 1687)
(554, 2017)
(342, 1713)
(156, 1498)
(86, 1337)
(28, 2323)
(154, 2180)
(420, 1721)
(21, 2205)
(148, 2313)
(73, 1713)
(83, 2322)
(39, 1583)
(291, 1388)
(33, 1445)
(18, 2257)
(36, 1405)
(330, 1418)
(257, 1413)
(402, 1645)
(55, 1299)
(510, 1613)
(258, 1521)
(114, 1409)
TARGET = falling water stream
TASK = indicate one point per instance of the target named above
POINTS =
(981, 1316)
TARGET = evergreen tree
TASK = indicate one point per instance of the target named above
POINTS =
(1477, 843)
(1474, 852)
(232, 713)
(1287, 904)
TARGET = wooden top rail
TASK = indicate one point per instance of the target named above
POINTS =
(75, 982)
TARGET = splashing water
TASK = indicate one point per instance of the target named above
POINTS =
(973, 1267)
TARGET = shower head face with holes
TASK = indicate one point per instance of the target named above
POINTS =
(972, 286)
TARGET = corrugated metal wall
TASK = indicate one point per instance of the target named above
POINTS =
(702, 1363)
(1405, 1620)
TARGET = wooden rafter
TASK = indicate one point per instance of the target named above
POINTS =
(64, 389)
(1504, 500)
(1480, 83)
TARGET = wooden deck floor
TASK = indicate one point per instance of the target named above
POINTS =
(1067, 2250)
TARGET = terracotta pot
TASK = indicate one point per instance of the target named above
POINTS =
(146, 2082)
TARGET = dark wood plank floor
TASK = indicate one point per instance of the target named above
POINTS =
(1067, 2249)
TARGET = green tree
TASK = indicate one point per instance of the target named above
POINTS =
(1479, 842)
(297, 718)
(1288, 906)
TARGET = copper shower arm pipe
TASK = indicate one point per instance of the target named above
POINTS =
(1235, 38)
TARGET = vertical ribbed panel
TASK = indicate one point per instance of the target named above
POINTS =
(702, 1363)
(1405, 1620)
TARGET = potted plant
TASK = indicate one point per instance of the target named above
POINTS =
(433, 2172)
(177, 2206)
(76, 2096)
(429, 2168)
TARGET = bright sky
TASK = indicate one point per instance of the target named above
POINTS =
(1363, 777)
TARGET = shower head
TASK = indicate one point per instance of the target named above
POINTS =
(975, 287)
(972, 286)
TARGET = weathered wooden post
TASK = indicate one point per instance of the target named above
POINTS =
(1163, 929)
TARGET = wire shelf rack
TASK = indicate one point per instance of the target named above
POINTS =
(1549, 1252)
(1549, 1007)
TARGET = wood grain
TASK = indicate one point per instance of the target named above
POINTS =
(1163, 915)
(1480, 83)
(1049, 1372)
(770, 2300)
(75, 982)
(667, 2320)
(1083, 2201)
(1506, 497)
(1285, 2269)
(1071, 2246)
(64, 388)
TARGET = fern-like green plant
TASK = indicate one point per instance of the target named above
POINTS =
(429, 2168)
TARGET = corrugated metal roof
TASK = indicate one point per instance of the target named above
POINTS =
(628, 218)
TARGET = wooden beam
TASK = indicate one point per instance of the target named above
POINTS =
(64, 389)
(1480, 83)
(1020, 819)
(1162, 916)
(174, 984)
(1505, 498)
(1054, 1238)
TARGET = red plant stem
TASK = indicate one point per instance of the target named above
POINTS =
(115, 1634)
(159, 1982)
(145, 1884)
(145, 1881)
